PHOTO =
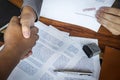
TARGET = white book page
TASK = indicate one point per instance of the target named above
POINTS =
(78, 12)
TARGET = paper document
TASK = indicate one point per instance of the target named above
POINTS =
(56, 50)
(78, 12)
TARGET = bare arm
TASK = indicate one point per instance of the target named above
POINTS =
(16, 47)
(8, 60)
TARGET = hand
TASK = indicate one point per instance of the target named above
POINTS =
(15, 41)
(27, 55)
(28, 18)
(110, 19)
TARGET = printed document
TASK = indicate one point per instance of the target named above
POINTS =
(78, 12)
(56, 50)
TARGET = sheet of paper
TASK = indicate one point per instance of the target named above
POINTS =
(55, 50)
(82, 41)
(78, 12)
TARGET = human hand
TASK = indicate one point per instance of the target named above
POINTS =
(110, 19)
(15, 41)
(27, 20)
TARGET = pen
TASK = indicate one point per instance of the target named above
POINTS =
(74, 72)
(2, 28)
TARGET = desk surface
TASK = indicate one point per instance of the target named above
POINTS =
(104, 37)
(110, 69)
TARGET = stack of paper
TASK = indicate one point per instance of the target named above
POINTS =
(56, 50)
(78, 12)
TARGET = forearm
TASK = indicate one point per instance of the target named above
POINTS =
(9, 58)
(35, 4)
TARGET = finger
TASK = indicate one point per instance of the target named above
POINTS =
(27, 55)
(109, 24)
(14, 21)
(25, 27)
(109, 10)
(26, 31)
(113, 28)
(114, 32)
(112, 18)
(26, 21)
(35, 37)
(34, 30)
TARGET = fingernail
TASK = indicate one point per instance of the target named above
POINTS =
(26, 34)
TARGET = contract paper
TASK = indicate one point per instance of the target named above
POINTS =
(56, 50)
(78, 12)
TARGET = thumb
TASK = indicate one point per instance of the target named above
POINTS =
(26, 30)
(26, 21)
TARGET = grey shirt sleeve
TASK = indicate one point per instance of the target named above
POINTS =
(35, 4)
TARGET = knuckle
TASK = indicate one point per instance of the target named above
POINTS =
(34, 30)
(14, 18)
(37, 30)
(14, 21)
(36, 36)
